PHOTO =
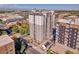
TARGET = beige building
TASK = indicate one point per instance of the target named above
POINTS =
(41, 26)
(6, 45)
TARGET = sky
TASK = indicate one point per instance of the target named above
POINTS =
(43, 6)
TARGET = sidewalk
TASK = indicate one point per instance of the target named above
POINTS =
(38, 49)
(59, 48)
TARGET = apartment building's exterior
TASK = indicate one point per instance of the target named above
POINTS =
(40, 26)
(68, 34)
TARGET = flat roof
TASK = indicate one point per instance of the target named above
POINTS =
(5, 39)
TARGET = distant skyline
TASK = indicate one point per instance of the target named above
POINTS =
(41, 6)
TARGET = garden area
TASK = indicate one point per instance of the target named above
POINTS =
(22, 28)
(19, 27)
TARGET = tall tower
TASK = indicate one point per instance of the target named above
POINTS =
(40, 26)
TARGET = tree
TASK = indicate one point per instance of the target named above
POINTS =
(49, 51)
(1, 22)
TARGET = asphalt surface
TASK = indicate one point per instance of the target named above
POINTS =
(32, 51)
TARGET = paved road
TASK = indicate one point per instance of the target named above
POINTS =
(32, 51)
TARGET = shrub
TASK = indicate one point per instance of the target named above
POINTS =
(49, 51)
(1, 22)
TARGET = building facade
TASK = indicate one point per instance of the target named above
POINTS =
(40, 26)
(68, 34)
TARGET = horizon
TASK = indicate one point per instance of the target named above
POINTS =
(41, 6)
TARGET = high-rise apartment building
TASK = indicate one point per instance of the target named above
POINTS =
(40, 26)
(68, 34)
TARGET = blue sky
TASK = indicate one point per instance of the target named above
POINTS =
(46, 6)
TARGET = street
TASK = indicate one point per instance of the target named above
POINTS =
(32, 51)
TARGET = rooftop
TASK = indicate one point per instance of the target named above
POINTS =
(5, 39)
(7, 16)
(41, 13)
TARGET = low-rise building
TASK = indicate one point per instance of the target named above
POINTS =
(6, 45)
(7, 18)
